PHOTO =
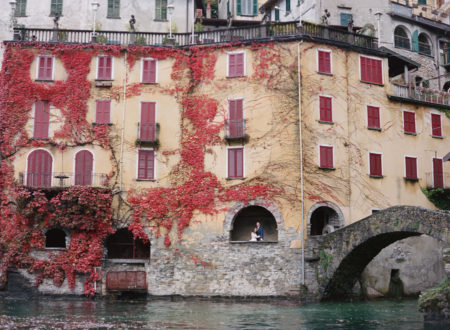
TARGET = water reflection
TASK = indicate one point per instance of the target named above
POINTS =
(162, 314)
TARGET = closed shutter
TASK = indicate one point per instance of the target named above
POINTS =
(371, 70)
(409, 122)
(411, 167)
(239, 71)
(103, 109)
(438, 173)
(83, 168)
(147, 131)
(41, 119)
(236, 121)
(277, 14)
(232, 65)
(373, 117)
(326, 156)
(375, 164)
(345, 18)
(326, 109)
(324, 61)
(149, 71)
(45, 68)
(104, 68)
(39, 170)
(146, 160)
(236, 163)
(436, 125)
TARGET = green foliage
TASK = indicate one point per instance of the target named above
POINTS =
(325, 259)
(436, 299)
(198, 27)
(439, 197)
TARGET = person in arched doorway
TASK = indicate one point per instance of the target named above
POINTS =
(259, 232)
(254, 236)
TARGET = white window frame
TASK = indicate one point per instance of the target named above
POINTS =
(245, 63)
(318, 109)
(318, 155)
(154, 164)
(374, 58)
(26, 165)
(250, 4)
(112, 67)
(368, 164)
(74, 164)
(142, 69)
(110, 110)
(243, 163)
(37, 67)
(367, 116)
(404, 166)
(403, 121)
(431, 124)
(331, 60)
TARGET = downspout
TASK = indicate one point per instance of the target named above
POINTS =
(301, 159)
(123, 120)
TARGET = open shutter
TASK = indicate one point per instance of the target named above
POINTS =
(147, 131)
(255, 7)
(239, 7)
(438, 175)
(288, 5)
(436, 125)
(415, 41)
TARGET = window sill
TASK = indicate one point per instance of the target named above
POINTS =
(411, 179)
(437, 136)
(113, 17)
(150, 180)
(98, 124)
(326, 122)
(325, 73)
(44, 80)
(103, 83)
(55, 248)
(20, 16)
(253, 242)
(149, 83)
(236, 76)
(160, 20)
(374, 129)
(247, 15)
(54, 15)
(40, 138)
(243, 178)
(327, 168)
(128, 261)
(371, 83)
(375, 176)
(410, 133)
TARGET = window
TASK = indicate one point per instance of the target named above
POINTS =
(41, 119)
(424, 44)
(83, 168)
(39, 169)
(113, 9)
(375, 169)
(235, 163)
(55, 238)
(161, 10)
(436, 128)
(21, 6)
(45, 67)
(247, 7)
(146, 164)
(56, 7)
(373, 117)
(235, 123)
(401, 39)
(236, 64)
(409, 122)
(102, 111)
(444, 52)
(122, 245)
(438, 173)
(277, 14)
(148, 70)
(147, 126)
(326, 157)
(345, 18)
(324, 61)
(325, 105)
(411, 168)
(422, 2)
(288, 5)
(371, 70)
(104, 67)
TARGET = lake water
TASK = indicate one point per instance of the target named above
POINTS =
(45, 313)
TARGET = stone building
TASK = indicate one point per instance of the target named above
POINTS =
(181, 151)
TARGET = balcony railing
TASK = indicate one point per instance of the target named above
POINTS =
(422, 94)
(270, 30)
(438, 180)
(235, 128)
(148, 132)
(62, 180)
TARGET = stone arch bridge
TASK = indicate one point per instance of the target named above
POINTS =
(341, 256)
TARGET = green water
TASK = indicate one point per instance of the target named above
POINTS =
(163, 314)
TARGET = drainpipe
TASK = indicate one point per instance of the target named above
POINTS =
(123, 119)
(301, 158)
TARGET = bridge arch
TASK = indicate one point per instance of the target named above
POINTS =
(347, 251)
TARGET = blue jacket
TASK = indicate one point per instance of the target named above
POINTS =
(260, 233)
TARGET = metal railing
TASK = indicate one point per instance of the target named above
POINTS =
(148, 132)
(422, 94)
(438, 180)
(269, 30)
(62, 179)
(235, 128)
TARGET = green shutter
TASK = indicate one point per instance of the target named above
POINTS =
(288, 5)
(448, 53)
(415, 41)
(228, 8)
(277, 14)
(422, 2)
(345, 18)
(255, 7)
(238, 7)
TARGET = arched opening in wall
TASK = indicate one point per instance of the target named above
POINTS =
(401, 39)
(245, 222)
(55, 238)
(424, 44)
(446, 87)
(420, 82)
(322, 220)
(122, 245)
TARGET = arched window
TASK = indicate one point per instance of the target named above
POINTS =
(55, 238)
(322, 220)
(122, 245)
(39, 170)
(446, 87)
(424, 44)
(83, 168)
(245, 222)
(401, 38)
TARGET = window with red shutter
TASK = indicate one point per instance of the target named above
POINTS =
(39, 169)
(83, 168)
(104, 69)
(411, 168)
(409, 122)
(326, 157)
(235, 163)
(235, 124)
(325, 104)
(45, 67)
(41, 119)
(324, 61)
(373, 117)
(438, 173)
(375, 165)
(146, 164)
(371, 70)
(149, 71)
(436, 128)
(103, 111)
(236, 64)
(147, 126)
